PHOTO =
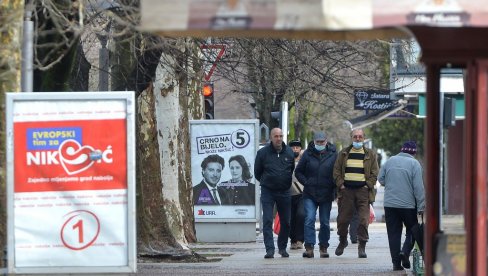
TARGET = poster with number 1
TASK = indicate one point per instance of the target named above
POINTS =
(71, 182)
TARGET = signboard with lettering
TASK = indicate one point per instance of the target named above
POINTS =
(372, 100)
(236, 14)
(71, 188)
(445, 13)
(222, 162)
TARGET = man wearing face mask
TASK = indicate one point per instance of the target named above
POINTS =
(355, 174)
(315, 172)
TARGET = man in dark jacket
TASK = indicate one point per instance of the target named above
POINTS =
(315, 171)
(273, 168)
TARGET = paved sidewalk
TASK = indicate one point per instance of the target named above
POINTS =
(247, 259)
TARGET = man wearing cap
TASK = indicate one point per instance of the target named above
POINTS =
(315, 172)
(297, 211)
(273, 169)
(404, 198)
(355, 174)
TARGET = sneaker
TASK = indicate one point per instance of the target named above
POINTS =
(405, 260)
(269, 254)
(299, 245)
(293, 246)
(283, 253)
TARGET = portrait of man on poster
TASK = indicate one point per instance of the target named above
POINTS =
(207, 192)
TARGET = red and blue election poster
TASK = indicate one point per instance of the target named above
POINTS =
(222, 162)
(70, 191)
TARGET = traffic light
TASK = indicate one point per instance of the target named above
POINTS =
(277, 116)
(208, 96)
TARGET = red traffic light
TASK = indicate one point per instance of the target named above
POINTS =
(207, 90)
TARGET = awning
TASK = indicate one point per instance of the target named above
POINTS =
(311, 19)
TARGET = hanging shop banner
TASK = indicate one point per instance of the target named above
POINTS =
(222, 164)
(441, 13)
(372, 100)
(70, 174)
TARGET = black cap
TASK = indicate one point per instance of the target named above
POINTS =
(295, 143)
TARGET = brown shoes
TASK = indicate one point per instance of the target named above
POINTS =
(308, 251)
(323, 252)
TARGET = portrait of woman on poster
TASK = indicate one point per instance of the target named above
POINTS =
(239, 190)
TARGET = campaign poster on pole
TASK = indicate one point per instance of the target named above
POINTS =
(71, 182)
(222, 165)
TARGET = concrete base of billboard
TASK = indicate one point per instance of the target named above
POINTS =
(226, 231)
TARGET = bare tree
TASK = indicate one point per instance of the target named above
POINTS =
(67, 37)
(317, 78)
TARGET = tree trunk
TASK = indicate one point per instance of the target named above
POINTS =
(154, 234)
(11, 18)
(165, 203)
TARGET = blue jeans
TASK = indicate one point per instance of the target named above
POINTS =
(282, 199)
(324, 216)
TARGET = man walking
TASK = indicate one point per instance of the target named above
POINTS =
(355, 174)
(315, 171)
(404, 198)
(273, 168)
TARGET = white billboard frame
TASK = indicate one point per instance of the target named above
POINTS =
(255, 127)
(125, 98)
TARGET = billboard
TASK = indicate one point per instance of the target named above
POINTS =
(70, 177)
(222, 165)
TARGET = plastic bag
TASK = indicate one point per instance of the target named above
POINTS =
(372, 216)
(276, 224)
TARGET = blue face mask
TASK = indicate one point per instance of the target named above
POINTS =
(320, 147)
(357, 145)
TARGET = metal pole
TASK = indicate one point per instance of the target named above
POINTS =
(441, 153)
(103, 69)
(432, 170)
(284, 120)
(27, 75)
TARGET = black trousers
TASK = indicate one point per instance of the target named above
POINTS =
(395, 219)
(297, 222)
